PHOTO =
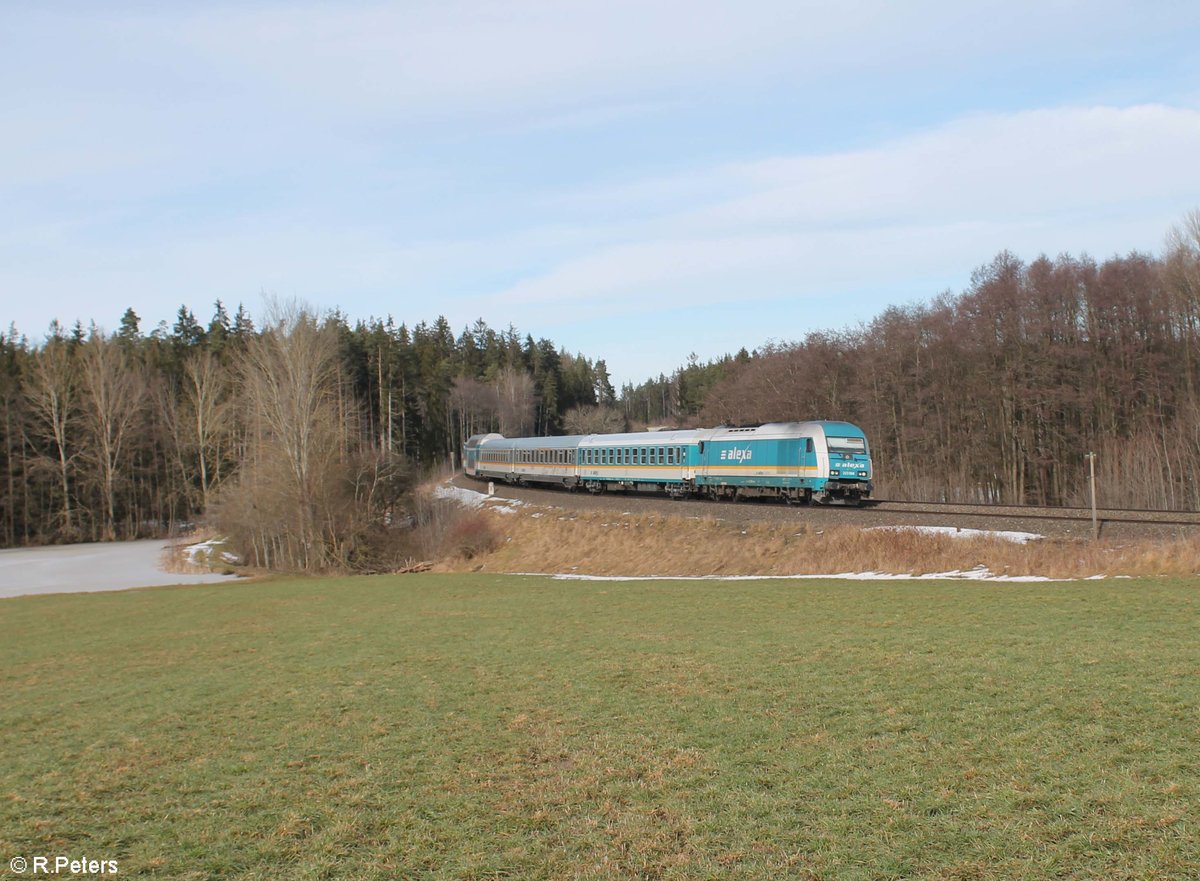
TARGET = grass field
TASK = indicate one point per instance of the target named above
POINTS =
(480, 726)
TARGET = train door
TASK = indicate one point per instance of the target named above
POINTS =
(806, 457)
(821, 459)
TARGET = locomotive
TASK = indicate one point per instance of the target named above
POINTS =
(801, 462)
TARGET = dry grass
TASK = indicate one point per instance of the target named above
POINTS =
(638, 545)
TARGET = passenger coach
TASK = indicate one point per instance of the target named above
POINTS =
(796, 461)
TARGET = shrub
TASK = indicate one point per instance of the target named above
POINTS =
(471, 534)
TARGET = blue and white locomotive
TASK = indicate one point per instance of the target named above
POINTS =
(795, 461)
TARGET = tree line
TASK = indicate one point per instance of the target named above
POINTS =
(126, 434)
(997, 394)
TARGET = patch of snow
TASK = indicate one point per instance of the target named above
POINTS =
(206, 548)
(193, 552)
(956, 532)
(469, 498)
(980, 573)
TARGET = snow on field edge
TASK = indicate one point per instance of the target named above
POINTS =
(980, 573)
(958, 532)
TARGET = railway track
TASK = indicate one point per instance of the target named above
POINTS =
(1051, 522)
(1036, 512)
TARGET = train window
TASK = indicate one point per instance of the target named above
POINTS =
(808, 445)
(653, 459)
(662, 458)
(643, 455)
(670, 455)
(627, 455)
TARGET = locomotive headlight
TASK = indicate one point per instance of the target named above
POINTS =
(862, 474)
(833, 472)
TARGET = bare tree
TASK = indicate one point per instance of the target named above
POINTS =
(114, 397)
(207, 413)
(290, 385)
(52, 392)
(515, 391)
(590, 419)
(477, 405)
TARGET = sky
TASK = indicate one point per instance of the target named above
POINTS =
(636, 181)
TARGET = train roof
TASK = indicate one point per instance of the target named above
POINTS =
(500, 442)
(769, 431)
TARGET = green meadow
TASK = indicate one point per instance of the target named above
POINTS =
(478, 726)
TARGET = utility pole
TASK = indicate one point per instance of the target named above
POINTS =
(1091, 457)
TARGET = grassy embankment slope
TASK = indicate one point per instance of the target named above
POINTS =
(479, 726)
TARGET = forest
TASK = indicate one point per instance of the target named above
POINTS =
(309, 429)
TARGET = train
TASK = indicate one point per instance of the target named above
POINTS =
(802, 462)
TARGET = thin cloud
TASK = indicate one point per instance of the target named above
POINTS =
(967, 186)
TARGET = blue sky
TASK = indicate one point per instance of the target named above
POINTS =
(634, 180)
